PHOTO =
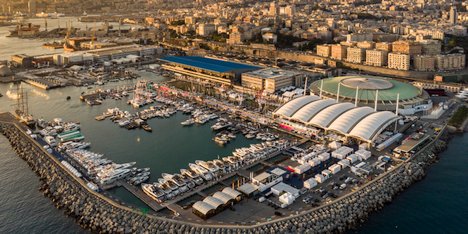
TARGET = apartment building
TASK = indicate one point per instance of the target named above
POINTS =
(376, 58)
(399, 61)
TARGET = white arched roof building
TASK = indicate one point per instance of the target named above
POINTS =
(214, 202)
(362, 123)
(223, 197)
(203, 207)
(372, 125)
(310, 110)
(327, 115)
(349, 119)
(288, 109)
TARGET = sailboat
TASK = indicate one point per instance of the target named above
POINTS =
(22, 106)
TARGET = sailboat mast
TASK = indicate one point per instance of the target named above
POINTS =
(26, 105)
(18, 97)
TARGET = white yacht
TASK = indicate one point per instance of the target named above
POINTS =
(170, 184)
(224, 166)
(177, 180)
(153, 191)
(188, 122)
(185, 180)
(204, 173)
(208, 165)
(114, 176)
(192, 175)
(202, 119)
(74, 145)
(220, 125)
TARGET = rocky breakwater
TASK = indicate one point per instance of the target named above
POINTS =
(99, 214)
(90, 211)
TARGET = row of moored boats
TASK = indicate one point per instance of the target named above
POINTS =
(171, 185)
(66, 138)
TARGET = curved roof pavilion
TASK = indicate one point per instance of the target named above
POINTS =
(362, 123)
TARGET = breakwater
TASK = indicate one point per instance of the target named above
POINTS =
(100, 214)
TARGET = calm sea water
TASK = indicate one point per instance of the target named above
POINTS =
(10, 46)
(437, 204)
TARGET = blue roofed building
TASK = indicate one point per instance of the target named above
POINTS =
(213, 70)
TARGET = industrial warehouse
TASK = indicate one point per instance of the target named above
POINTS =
(243, 77)
(213, 70)
(113, 55)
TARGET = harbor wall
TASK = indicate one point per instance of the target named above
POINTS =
(97, 213)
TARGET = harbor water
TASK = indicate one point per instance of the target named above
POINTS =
(10, 45)
(437, 204)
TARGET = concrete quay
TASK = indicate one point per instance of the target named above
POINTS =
(98, 213)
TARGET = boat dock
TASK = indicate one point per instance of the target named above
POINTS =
(101, 94)
(42, 83)
(241, 172)
(141, 195)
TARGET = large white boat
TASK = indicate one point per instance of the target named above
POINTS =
(177, 180)
(224, 166)
(114, 175)
(172, 185)
(188, 122)
(192, 175)
(154, 191)
(74, 145)
(165, 188)
(183, 183)
(202, 119)
(110, 169)
(208, 165)
(204, 173)
(221, 125)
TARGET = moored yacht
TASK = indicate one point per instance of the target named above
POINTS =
(188, 122)
(208, 165)
(204, 173)
(192, 175)
(153, 191)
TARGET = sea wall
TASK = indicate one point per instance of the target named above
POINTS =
(100, 214)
